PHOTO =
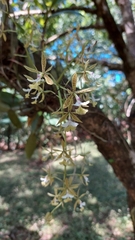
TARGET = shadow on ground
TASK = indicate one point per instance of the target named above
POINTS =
(24, 202)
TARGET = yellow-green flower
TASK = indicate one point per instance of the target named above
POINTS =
(81, 111)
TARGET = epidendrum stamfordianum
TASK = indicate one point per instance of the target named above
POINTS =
(74, 103)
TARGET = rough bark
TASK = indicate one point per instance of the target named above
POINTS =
(115, 34)
(123, 165)
(128, 22)
(112, 145)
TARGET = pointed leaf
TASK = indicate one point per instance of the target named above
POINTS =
(9, 99)
(68, 101)
(86, 64)
(14, 118)
(30, 59)
(63, 118)
(86, 90)
(21, 30)
(4, 37)
(30, 145)
(92, 66)
(34, 70)
(36, 123)
(75, 118)
(49, 69)
(4, 107)
(28, 77)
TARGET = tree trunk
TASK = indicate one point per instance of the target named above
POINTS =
(131, 204)
(113, 147)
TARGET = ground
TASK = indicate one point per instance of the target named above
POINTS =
(24, 203)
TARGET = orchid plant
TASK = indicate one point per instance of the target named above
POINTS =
(71, 107)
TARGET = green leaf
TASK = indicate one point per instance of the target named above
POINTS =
(68, 101)
(9, 99)
(86, 90)
(30, 59)
(40, 5)
(92, 66)
(56, 2)
(22, 31)
(36, 123)
(30, 145)
(28, 77)
(34, 70)
(14, 118)
(75, 118)
(63, 118)
(4, 107)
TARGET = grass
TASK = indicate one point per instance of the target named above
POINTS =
(24, 202)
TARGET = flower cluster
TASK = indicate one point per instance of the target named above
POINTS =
(74, 106)
(67, 192)
(36, 86)
(70, 111)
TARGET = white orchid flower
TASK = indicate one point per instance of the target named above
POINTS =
(37, 96)
(44, 180)
(94, 75)
(38, 79)
(86, 179)
(79, 103)
(28, 90)
(67, 195)
(69, 123)
(82, 204)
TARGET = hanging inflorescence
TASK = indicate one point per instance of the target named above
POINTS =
(72, 106)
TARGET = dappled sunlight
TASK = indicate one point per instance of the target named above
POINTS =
(3, 205)
(25, 202)
(91, 199)
(11, 156)
(117, 223)
(26, 192)
(55, 229)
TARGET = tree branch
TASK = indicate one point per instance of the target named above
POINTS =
(111, 66)
(112, 145)
(62, 10)
(103, 63)
(128, 22)
(115, 34)
(56, 36)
